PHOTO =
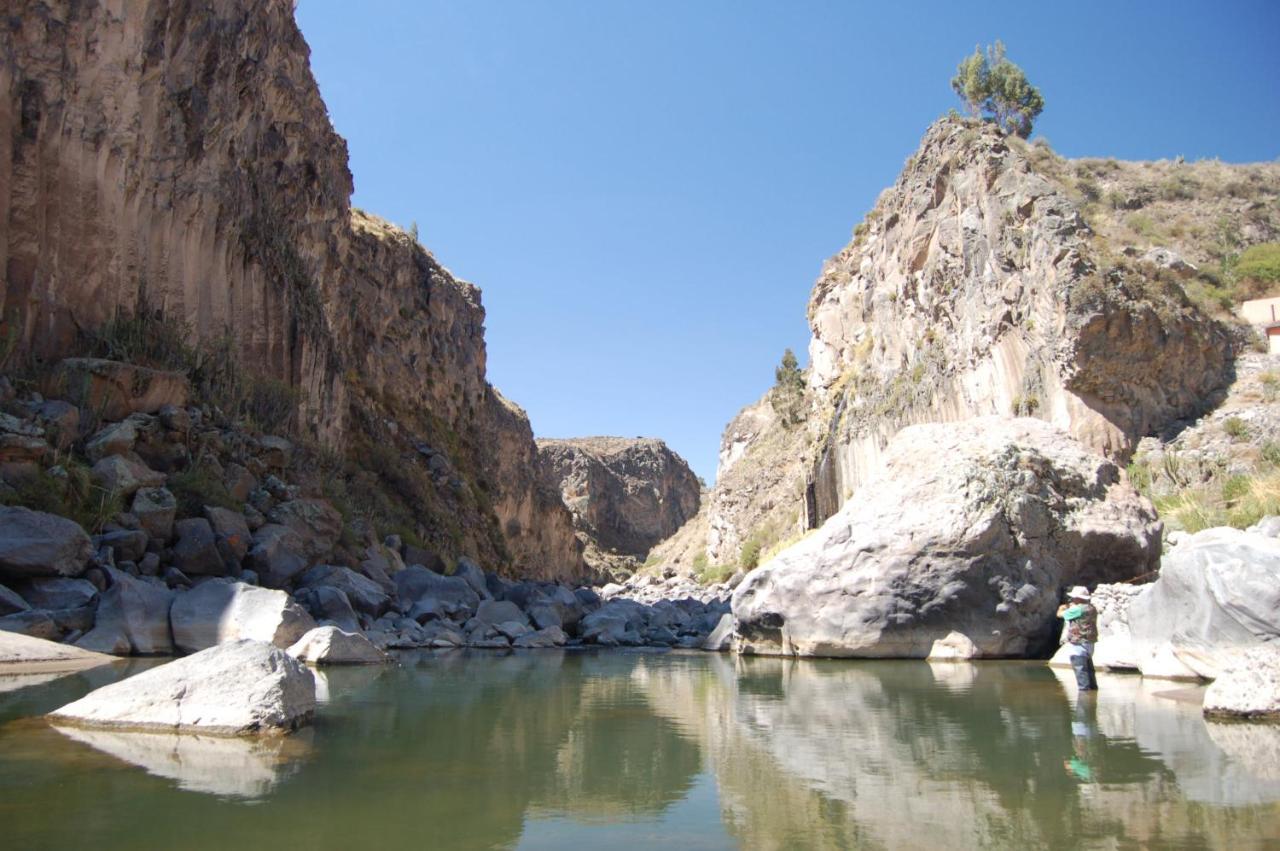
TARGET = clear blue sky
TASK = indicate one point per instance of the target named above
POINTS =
(646, 191)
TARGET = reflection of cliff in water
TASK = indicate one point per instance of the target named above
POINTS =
(902, 755)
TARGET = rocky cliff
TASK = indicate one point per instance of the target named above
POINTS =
(626, 495)
(976, 286)
(159, 156)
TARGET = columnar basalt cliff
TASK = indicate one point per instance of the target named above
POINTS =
(974, 287)
(627, 495)
(170, 157)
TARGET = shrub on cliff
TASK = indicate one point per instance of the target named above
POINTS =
(997, 90)
(1258, 270)
(788, 390)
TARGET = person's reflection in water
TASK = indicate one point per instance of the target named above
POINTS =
(1086, 742)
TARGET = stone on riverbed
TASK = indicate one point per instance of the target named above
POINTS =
(22, 653)
(328, 645)
(240, 688)
(1248, 688)
(133, 617)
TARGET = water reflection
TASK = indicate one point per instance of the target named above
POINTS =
(481, 751)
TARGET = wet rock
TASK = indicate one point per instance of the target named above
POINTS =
(328, 645)
(33, 543)
(133, 618)
(218, 611)
(239, 688)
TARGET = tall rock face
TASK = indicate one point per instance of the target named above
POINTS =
(626, 495)
(176, 157)
(975, 287)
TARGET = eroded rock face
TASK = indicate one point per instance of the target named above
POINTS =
(1217, 595)
(626, 494)
(154, 156)
(235, 689)
(974, 287)
(960, 548)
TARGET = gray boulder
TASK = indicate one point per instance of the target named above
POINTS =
(155, 509)
(132, 619)
(234, 689)
(125, 474)
(494, 612)
(328, 645)
(11, 602)
(34, 654)
(276, 555)
(329, 604)
(218, 611)
(33, 543)
(127, 544)
(454, 596)
(230, 529)
(196, 551)
(544, 638)
(961, 547)
(1218, 593)
(470, 572)
(316, 523)
(118, 438)
(364, 594)
(37, 624)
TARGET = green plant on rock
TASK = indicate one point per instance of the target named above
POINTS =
(68, 491)
(787, 397)
(1258, 270)
(1235, 427)
(997, 90)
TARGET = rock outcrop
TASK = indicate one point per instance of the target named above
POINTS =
(159, 159)
(961, 549)
(626, 494)
(235, 689)
(974, 287)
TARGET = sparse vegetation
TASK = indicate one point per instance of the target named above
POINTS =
(198, 486)
(65, 490)
(1257, 270)
(1235, 427)
(997, 90)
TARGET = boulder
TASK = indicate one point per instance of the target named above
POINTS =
(37, 624)
(1249, 687)
(218, 611)
(316, 523)
(544, 615)
(61, 421)
(155, 509)
(125, 474)
(33, 543)
(229, 528)
(117, 438)
(132, 619)
(552, 636)
(494, 612)
(329, 604)
(1218, 593)
(12, 602)
(22, 652)
(240, 688)
(328, 645)
(57, 592)
(364, 594)
(127, 544)
(196, 551)
(470, 572)
(276, 555)
(454, 596)
(961, 547)
(115, 390)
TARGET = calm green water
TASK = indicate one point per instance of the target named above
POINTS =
(619, 750)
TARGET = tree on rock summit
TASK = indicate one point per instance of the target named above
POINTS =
(997, 90)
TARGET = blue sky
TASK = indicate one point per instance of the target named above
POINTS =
(646, 191)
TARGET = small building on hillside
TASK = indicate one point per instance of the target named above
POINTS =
(1264, 314)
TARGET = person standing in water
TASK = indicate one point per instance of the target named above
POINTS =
(1082, 632)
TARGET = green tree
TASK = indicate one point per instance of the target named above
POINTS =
(997, 90)
(788, 390)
